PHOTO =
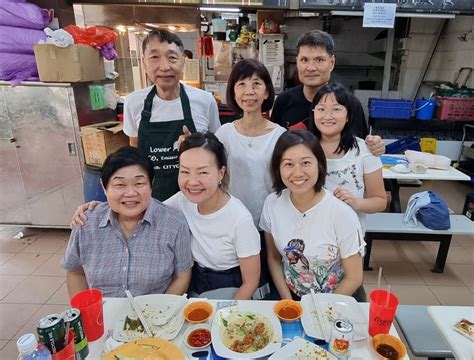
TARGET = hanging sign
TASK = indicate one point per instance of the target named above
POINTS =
(378, 15)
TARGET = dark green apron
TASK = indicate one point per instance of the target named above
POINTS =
(158, 140)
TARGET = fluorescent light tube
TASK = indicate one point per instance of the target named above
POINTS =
(223, 9)
(397, 14)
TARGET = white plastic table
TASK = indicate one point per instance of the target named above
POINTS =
(451, 174)
(112, 306)
(445, 317)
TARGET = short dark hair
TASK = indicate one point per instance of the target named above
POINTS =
(123, 157)
(211, 143)
(163, 35)
(316, 38)
(354, 113)
(243, 70)
(188, 53)
(292, 138)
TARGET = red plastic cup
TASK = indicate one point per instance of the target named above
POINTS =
(381, 313)
(69, 351)
(89, 303)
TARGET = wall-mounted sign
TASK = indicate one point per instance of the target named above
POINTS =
(378, 15)
(428, 6)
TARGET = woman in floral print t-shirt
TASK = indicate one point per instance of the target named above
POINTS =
(314, 240)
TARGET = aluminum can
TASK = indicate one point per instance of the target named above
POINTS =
(74, 319)
(52, 332)
(341, 339)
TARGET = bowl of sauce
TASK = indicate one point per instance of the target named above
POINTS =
(288, 310)
(197, 312)
(198, 336)
(388, 347)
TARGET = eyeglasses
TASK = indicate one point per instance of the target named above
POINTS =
(335, 111)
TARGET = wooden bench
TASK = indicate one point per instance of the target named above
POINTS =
(390, 226)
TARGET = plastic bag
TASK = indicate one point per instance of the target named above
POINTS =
(18, 67)
(59, 38)
(430, 209)
(429, 160)
(95, 36)
(108, 51)
(16, 40)
(21, 14)
(434, 215)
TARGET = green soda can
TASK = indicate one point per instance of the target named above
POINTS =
(73, 318)
(52, 332)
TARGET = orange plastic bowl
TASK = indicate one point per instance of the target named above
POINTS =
(198, 312)
(392, 341)
(288, 310)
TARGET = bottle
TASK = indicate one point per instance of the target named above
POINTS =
(29, 349)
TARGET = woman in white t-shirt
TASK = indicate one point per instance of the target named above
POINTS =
(249, 142)
(225, 242)
(354, 173)
(314, 241)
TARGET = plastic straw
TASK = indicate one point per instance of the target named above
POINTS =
(370, 130)
(388, 296)
(379, 278)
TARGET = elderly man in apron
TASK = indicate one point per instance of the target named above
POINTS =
(154, 117)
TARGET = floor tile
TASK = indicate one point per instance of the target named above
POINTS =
(419, 253)
(9, 351)
(471, 288)
(4, 257)
(458, 255)
(8, 283)
(415, 295)
(57, 234)
(51, 267)
(447, 277)
(401, 273)
(464, 271)
(30, 325)
(13, 245)
(384, 251)
(465, 241)
(3, 343)
(469, 250)
(453, 295)
(14, 317)
(44, 244)
(62, 249)
(61, 296)
(23, 264)
(34, 290)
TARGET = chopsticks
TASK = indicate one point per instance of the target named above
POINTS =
(139, 313)
(319, 313)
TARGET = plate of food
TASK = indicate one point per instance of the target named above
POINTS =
(246, 331)
(333, 306)
(154, 308)
(148, 348)
(300, 349)
(466, 328)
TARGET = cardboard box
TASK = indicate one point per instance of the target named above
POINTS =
(72, 64)
(100, 140)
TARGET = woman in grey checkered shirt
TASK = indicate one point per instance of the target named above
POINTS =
(132, 241)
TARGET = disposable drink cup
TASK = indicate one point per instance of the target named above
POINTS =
(69, 351)
(381, 311)
(89, 303)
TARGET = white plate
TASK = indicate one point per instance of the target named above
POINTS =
(259, 308)
(154, 307)
(302, 349)
(334, 306)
